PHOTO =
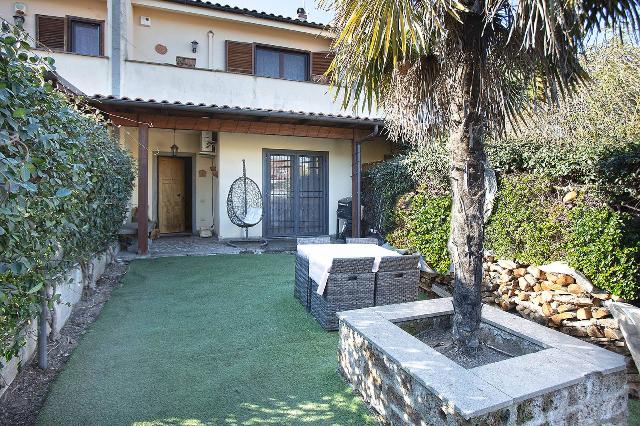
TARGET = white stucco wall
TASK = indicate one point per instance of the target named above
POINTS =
(147, 74)
(176, 31)
(235, 147)
(160, 142)
(232, 149)
(90, 74)
(93, 9)
(162, 82)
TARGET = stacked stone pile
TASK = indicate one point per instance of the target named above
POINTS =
(552, 299)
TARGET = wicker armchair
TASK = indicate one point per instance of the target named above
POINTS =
(397, 280)
(350, 286)
(302, 287)
(362, 241)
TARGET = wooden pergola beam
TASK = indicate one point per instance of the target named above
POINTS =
(143, 188)
(159, 121)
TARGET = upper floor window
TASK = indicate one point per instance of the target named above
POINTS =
(282, 63)
(71, 34)
(267, 61)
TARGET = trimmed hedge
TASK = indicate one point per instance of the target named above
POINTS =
(604, 245)
(530, 223)
(64, 184)
(527, 223)
(423, 221)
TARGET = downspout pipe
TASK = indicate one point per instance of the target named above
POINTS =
(356, 181)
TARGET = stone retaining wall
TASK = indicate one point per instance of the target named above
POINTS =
(70, 289)
(402, 400)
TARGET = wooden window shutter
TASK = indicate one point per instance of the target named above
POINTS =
(50, 32)
(320, 62)
(239, 57)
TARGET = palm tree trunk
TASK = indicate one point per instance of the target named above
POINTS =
(467, 211)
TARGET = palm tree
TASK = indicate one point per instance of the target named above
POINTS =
(466, 67)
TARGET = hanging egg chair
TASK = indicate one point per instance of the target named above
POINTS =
(244, 204)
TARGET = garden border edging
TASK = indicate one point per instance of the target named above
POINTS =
(70, 289)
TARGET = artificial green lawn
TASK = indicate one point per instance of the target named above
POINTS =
(207, 340)
(204, 340)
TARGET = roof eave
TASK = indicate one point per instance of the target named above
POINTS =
(98, 100)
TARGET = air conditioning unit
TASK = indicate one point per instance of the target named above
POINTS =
(209, 142)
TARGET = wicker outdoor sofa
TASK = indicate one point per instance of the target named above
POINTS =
(352, 284)
(349, 286)
(397, 280)
(302, 286)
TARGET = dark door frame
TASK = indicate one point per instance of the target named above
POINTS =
(156, 187)
(266, 187)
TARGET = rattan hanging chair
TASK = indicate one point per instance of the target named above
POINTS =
(244, 204)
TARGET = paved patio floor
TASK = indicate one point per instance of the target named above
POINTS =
(192, 245)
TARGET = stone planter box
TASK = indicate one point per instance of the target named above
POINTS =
(556, 380)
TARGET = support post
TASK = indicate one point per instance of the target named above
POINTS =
(43, 361)
(143, 188)
(356, 172)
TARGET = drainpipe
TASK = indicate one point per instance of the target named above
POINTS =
(116, 39)
(210, 50)
(356, 178)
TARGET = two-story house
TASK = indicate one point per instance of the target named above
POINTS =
(195, 88)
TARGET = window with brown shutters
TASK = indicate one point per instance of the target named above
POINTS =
(71, 34)
(239, 57)
(320, 62)
(50, 32)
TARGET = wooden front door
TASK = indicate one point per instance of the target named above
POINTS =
(171, 195)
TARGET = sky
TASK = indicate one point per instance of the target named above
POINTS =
(282, 7)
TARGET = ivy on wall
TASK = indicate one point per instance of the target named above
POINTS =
(64, 184)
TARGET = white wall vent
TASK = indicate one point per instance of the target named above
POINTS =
(145, 21)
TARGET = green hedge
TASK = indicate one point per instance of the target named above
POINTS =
(605, 245)
(526, 223)
(530, 223)
(427, 167)
(64, 184)
(423, 222)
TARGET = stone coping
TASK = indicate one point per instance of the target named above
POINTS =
(473, 392)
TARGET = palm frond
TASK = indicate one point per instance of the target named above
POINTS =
(407, 56)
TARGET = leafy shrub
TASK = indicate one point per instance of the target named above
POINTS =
(530, 223)
(526, 223)
(429, 165)
(64, 184)
(592, 138)
(601, 244)
(388, 180)
(423, 225)
(384, 183)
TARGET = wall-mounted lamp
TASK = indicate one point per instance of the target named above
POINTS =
(194, 46)
(18, 18)
(174, 147)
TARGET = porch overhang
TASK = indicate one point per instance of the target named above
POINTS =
(146, 114)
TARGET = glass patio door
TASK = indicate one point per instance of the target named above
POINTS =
(296, 193)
